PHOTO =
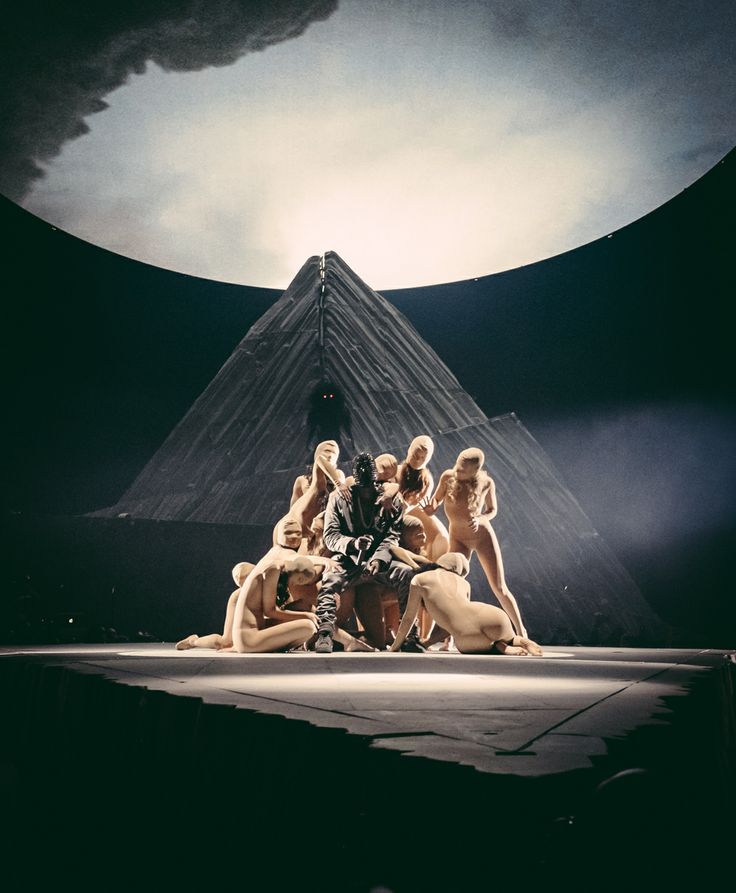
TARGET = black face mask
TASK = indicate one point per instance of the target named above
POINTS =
(364, 471)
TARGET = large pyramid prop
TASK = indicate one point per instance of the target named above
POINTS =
(233, 457)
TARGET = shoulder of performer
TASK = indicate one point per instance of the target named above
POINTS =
(398, 504)
(336, 498)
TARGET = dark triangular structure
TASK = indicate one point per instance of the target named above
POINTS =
(332, 358)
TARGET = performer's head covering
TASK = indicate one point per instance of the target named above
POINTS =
(241, 571)
(455, 562)
(387, 465)
(302, 566)
(293, 524)
(327, 446)
(472, 455)
(364, 470)
(422, 442)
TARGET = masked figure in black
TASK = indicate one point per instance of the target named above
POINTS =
(359, 533)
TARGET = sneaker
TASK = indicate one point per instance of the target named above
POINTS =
(411, 645)
(323, 645)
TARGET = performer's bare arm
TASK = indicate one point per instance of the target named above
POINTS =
(410, 558)
(428, 487)
(431, 505)
(410, 615)
(489, 508)
(271, 609)
(322, 563)
(330, 471)
(299, 489)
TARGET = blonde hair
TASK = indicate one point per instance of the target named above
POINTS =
(476, 486)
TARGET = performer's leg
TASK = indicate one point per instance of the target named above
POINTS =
(489, 555)
(369, 609)
(227, 632)
(345, 606)
(392, 617)
(277, 638)
(459, 545)
(399, 576)
(474, 643)
(328, 598)
(214, 640)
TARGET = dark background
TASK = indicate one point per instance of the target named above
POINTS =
(617, 356)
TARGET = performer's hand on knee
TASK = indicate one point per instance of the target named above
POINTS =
(372, 568)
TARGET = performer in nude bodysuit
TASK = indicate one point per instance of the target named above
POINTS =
(412, 550)
(469, 495)
(258, 600)
(476, 628)
(415, 486)
(289, 536)
(215, 640)
(309, 497)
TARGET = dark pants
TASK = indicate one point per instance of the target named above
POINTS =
(397, 575)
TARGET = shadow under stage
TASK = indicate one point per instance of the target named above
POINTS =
(356, 771)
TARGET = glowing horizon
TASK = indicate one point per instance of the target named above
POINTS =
(423, 146)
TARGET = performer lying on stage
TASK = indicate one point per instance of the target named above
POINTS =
(359, 532)
(476, 628)
(469, 495)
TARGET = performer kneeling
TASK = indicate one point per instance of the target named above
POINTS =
(259, 599)
(359, 533)
(477, 628)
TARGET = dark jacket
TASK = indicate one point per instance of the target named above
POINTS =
(342, 527)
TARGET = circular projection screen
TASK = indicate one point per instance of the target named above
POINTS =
(424, 142)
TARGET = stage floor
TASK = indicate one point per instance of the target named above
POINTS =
(519, 715)
(401, 772)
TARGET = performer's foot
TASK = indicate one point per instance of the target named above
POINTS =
(359, 645)
(323, 645)
(189, 642)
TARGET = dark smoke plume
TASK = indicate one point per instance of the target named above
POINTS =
(58, 61)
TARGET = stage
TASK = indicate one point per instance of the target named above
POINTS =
(436, 752)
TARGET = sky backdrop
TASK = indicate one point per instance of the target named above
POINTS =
(425, 142)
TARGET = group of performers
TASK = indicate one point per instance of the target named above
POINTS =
(371, 547)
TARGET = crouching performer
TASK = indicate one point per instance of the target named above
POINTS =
(477, 628)
(359, 532)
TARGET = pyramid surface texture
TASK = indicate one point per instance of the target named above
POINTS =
(233, 458)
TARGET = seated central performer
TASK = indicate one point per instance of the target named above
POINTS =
(359, 532)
